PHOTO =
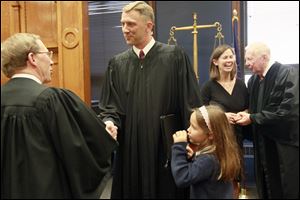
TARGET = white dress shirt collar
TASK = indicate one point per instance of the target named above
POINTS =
(271, 62)
(30, 76)
(146, 48)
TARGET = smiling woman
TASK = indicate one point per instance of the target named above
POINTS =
(227, 91)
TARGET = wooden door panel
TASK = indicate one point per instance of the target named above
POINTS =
(10, 23)
(41, 19)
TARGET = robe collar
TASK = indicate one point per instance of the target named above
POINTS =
(270, 64)
(30, 76)
(146, 48)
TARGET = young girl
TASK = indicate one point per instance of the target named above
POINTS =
(211, 161)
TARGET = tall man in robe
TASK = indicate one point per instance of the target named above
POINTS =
(274, 115)
(138, 90)
(52, 144)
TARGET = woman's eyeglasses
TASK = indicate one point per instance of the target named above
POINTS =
(49, 53)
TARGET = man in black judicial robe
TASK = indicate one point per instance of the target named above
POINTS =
(136, 92)
(52, 144)
(274, 114)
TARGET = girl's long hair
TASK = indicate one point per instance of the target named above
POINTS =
(227, 150)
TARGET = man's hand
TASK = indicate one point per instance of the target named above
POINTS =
(244, 118)
(111, 129)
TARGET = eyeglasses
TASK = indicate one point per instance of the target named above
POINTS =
(49, 53)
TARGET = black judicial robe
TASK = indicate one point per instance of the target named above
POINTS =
(52, 144)
(135, 94)
(274, 104)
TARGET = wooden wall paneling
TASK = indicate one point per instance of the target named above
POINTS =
(40, 17)
(5, 28)
(15, 16)
(10, 23)
(32, 17)
(63, 27)
(5, 19)
(22, 19)
(86, 52)
(71, 56)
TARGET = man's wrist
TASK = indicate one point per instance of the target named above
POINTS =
(252, 118)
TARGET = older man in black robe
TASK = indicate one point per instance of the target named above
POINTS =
(274, 114)
(52, 144)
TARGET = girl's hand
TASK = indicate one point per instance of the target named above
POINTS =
(180, 136)
(190, 152)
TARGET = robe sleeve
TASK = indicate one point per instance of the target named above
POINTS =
(190, 94)
(284, 100)
(186, 172)
(81, 142)
(110, 103)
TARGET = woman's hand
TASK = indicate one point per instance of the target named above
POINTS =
(232, 117)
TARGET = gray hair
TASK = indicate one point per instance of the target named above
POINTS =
(259, 49)
(15, 50)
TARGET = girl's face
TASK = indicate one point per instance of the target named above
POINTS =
(196, 134)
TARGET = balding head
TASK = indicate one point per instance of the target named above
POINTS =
(259, 49)
(257, 57)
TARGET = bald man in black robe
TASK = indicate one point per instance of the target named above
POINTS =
(274, 115)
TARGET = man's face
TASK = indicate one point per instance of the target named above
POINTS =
(44, 64)
(255, 62)
(134, 28)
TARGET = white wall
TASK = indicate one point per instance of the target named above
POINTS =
(275, 23)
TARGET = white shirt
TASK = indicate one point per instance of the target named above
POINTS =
(146, 48)
(271, 62)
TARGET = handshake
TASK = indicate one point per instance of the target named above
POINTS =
(111, 129)
(241, 118)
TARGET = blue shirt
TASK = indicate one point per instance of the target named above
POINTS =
(200, 174)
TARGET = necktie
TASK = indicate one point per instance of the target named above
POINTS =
(142, 55)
